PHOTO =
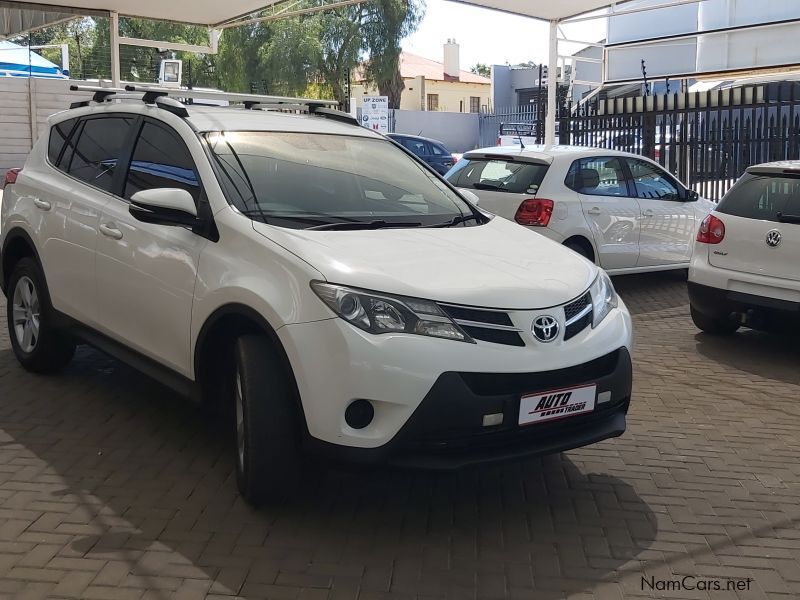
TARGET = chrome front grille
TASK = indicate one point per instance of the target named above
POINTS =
(577, 316)
(493, 326)
(497, 327)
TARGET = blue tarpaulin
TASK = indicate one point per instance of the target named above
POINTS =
(18, 61)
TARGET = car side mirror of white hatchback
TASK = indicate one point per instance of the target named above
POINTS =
(470, 196)
(164, 206)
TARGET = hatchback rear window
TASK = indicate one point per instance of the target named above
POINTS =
(764, 197)
(517, 129)
(514, 177)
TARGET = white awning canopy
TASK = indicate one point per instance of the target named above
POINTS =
(197, 12)
(18, 17)
(546, 10)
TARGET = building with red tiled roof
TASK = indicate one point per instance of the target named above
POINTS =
(433, 85)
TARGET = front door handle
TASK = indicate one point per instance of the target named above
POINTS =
(110, 230)
(647, 212)
(42, 204)
(593, 211)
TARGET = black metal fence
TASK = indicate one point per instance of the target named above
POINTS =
(707, 139)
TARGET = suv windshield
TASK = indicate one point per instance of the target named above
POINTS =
(764, 197)
(305, 180)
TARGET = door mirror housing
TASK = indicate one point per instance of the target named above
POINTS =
(470, 196)
(164, 206)
(691, 196)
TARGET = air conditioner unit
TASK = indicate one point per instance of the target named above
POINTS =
(170, 72)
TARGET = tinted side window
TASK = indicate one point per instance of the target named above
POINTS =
(418, 147)
(58, 137)
(161, 160)
(438, 150)
(598, 176)
(502, 176)
(651, 182)
(98, 149)
(762, 197)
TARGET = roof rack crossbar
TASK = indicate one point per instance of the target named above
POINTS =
(246, 99)
(100, 93)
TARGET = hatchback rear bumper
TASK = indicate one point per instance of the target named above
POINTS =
(758, 312)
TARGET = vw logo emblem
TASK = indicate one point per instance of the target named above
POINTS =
(774, 238)
(545, 328)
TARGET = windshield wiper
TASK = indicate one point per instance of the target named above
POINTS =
(782, 218)
(456, 221)
(378, 224)
(486, 186)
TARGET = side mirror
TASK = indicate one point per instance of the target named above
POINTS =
(470, 196)
(164, 206)
(692, 196)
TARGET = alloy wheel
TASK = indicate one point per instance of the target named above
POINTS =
(25, 314)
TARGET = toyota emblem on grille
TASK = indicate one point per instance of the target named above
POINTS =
(545, 328)
(773, 238)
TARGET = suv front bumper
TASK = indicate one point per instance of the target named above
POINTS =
(446, 430)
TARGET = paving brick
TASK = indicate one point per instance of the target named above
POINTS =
(112, 487)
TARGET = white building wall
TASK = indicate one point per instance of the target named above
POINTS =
(764, 47)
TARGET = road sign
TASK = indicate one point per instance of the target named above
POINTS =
(375, 113)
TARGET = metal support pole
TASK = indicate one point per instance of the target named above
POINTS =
(113, 25)
(552, 86)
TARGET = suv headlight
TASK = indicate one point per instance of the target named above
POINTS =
(383, 313)
(604, 298)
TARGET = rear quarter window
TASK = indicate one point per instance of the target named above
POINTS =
(763, 197)
(59, 134)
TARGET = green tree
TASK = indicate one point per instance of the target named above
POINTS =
(481, 69)
(390, 22)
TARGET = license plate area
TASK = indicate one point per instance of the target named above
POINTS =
(556, 404)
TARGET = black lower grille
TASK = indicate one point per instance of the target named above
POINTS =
(490, 384)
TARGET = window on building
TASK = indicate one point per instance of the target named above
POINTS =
(433, 101)
(474, 104)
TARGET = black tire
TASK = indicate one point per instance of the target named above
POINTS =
(52, 349)
(580, 249)
(268, 460)
(711, 325)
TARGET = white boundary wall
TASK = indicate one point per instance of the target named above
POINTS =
(25, 105)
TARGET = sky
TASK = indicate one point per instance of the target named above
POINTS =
(491, 37)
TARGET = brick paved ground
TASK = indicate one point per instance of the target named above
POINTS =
(112, 488)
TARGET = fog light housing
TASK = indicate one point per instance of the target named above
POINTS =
(359, 414)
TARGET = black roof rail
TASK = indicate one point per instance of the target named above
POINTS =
(333, 114)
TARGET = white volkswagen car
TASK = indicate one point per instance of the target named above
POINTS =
(745, 270)
(619, 210)
(339, 297)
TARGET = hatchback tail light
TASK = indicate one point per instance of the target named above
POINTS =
(11, 177)
(712, 230)
(534, 211)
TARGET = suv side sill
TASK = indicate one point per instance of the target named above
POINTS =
(146, 365)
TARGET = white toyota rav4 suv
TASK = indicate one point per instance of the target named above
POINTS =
(746, 266)
(339, 297)
(620, 210)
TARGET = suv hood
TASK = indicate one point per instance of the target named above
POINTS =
(496, 265)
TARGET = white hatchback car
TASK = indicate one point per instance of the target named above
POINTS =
(745, 270)
(315, 278)
(619, 210)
